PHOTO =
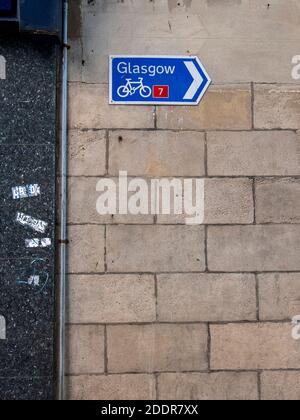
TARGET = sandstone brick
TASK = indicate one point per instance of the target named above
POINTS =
(226, 201)
(208, 386)
(206, 297)
(278, 201)
(250, 18)
(96, 52)
(75, 60)
(111, 299)
(155, 248)
(280, 386)
(85, 349)
(87, 153)
(159, 153)
(86, 249)
(221, 58)
(229, 201)
(277, 106)
(180, 189)
(156, 348)
(75, 19)
(254, 248)
(256, 34)
(223, 108)
(254, 346)
(89, 108)
(111, 387)
(257, 153)
(83, 196)
(279, 296)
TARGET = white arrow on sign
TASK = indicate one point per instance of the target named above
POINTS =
(196, 82)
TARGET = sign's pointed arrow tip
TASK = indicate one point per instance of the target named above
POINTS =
(190, 94)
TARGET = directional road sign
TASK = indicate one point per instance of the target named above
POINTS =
(160, 80)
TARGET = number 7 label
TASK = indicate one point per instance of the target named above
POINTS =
(160, 91)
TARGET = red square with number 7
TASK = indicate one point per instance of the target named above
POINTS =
(160, 91)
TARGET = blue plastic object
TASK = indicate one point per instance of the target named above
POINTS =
(8, 8)
(41, 16)
(32, 16)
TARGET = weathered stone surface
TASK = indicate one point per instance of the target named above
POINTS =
(279, 296)
(246, 50)
(229, 201)
(85, 349)
(83, 198)
(239, 42)
(208, 386)
(253, 347)
(87, 153)
(280, 386)
(156, 153)
(155, 248)
(206, 297)
(277, 107)
(111, 299)
(86, 249)
(256, 153)
(223, 108)
(254, 248)
(155, 348)
(278, 200)
(89, 108)
(111, 387)
(226, 201)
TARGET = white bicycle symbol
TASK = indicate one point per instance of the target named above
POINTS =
(133, 86)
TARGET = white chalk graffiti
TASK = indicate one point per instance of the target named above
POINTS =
(31, 281)
(296, 67)
(39, 278)
(2, 328)
(26, 191)
(296, 327)
(35, 224)
(38, 243)
(2, 68)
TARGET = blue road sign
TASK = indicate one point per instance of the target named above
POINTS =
(160, 80)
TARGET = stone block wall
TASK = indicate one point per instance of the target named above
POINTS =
(158, 309)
